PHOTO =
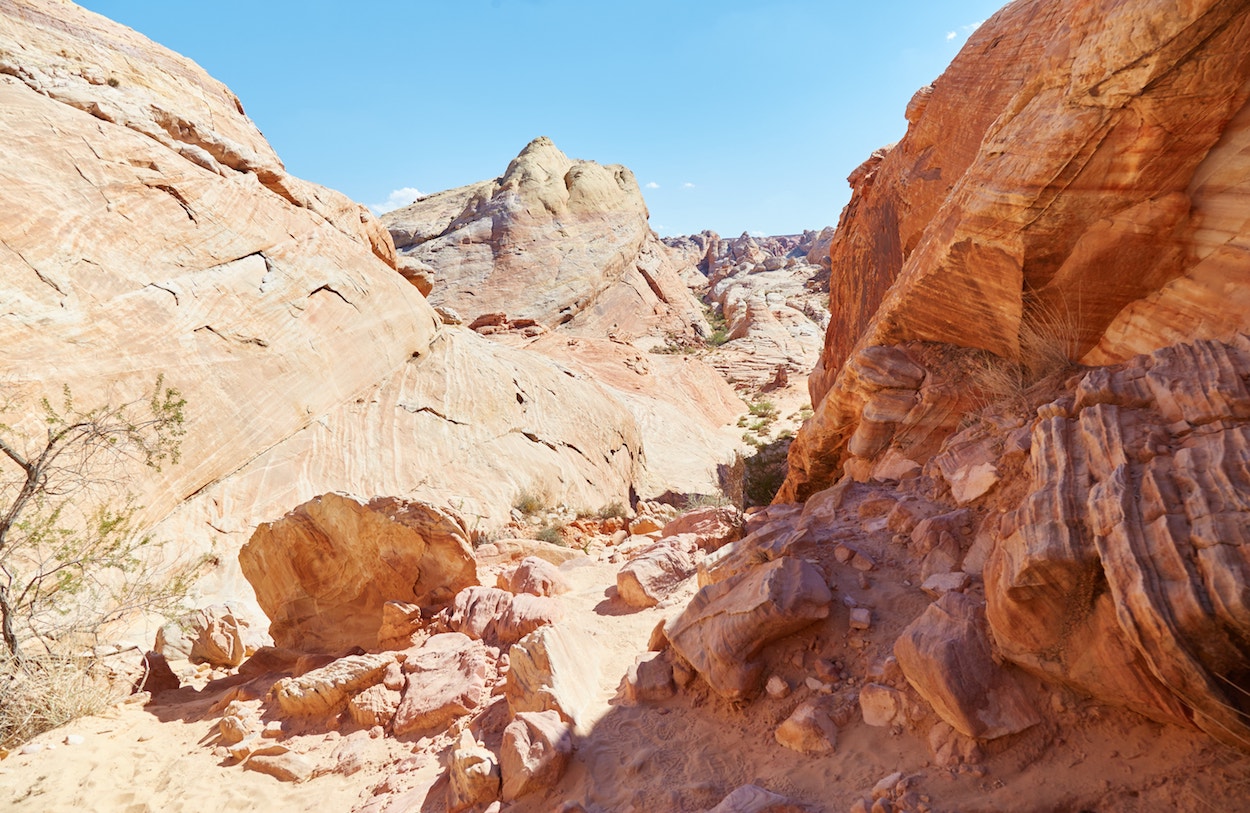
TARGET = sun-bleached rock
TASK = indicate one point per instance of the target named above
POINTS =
(323, 572)
(727, 623)
(500, 617)
(282, 764)
(473, 774)
(554, 668)
(324, 692)
(217, 634)
(754, 799)
(946, 656)
(656, 572)
(445, 679)
(536, 749)
(714, 526)
(374, 706)
(880, 705)
(650, 678)
(533, 575)
(809, 729)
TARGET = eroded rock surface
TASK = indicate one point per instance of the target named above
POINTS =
(324, 571)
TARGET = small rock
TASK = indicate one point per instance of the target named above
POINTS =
(30, 748)
(939, 584)
(880, 705)
(863, 562)
(885, 785)
(777, 686)
(861, 618)
(285, 767)
(74, 739)
(536, 749)
(809, 729)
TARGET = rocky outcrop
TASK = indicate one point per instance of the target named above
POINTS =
(947, 657)
(1094, 188)
(554, 240)
(240, 284)
(324, 572)
(1124, 571)
(727, 623)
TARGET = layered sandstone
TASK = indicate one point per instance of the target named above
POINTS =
(1079, 166)
(553, 239)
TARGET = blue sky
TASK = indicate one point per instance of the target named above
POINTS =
(734, 115)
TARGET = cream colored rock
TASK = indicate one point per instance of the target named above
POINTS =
(553, 668)
(324, 571)
(473, 774)
(881, 705)
(655, 573)
(727, 623)
(217, 637)
(499, 617)
(754, 799)
(809, 729)
(374, 706)
(324, 692)
(536, 749)
(249, 279)
(446, 679)
(714, 526)
(650, 678)
(534, 575)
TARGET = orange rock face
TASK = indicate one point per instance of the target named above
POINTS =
(1079, 164)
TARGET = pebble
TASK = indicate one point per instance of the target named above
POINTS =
(74, 739)
(31, 748)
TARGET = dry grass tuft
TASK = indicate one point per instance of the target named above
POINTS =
(1049, 345)
(43, 692)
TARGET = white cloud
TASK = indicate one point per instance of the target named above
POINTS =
(964, 31)
(652, 185)
(757, 233)
(397, 199)
(687, 185)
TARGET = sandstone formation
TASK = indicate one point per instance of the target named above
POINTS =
(655, 572)
(552, 240)
(535, 752)
(1125, 569)
(444, 679)
(727, 623)
(324, 571)
(1094, 189)
(555, 669)
(946, 655)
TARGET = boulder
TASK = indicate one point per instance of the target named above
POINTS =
(536, 749)
(473, 774)
(553, 668)
(324, 571)
(284, 765)
(157, 676)
(946, 656)
(650, 678)
(727, 623)
(713, 527)
(217, 634)
(881, 705)
(374, 706)
(809, 729)
(655, 573)
(534, 575)
(445, 679)
(499, 617)
(324, 692)
(754, 799)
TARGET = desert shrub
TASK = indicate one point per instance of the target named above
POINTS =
(530, 501)
(717, 500)
(1048, 341)
(41, 692)
(551, 534)
(72, 559)
(612, 510)
(765, 472)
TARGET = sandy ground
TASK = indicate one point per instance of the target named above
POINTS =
(683, 754)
